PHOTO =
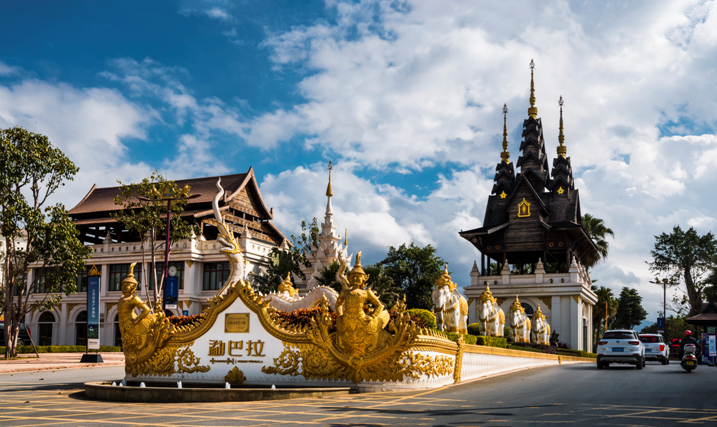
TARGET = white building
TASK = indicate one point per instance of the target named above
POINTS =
(202, 269)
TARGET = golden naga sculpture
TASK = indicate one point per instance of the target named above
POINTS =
(519, 322)
(143, 334)
(288, 287)
(358, 331)
(491, 317)
(450, 307)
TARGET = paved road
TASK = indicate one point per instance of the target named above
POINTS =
(569, 394)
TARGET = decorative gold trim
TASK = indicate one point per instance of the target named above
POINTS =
(458, 367)
(109, 307)
(189, 263)
(576, 298)
(188, 303)
(235, 377)
(500, 301)
(548, 301)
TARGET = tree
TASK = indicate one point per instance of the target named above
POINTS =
(305, 243)
(415, 271)
(687, 256)
(605, 297)
(32, 169)
(629, 309)
(327, 276)
(378, 280)
(676, 327)
(142, 213)
(270, 277)
(597, 231)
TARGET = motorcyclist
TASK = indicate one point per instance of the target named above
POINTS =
(687, 340)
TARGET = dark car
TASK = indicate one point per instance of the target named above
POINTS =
(23, 338)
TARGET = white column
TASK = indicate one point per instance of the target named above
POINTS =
(555, 314)
(104, 279)
(62, 334)
(576, 324)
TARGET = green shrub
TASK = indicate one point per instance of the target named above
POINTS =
(474, 329)
(576, 353)
(429, 319)
(27, 349)
(467, 338)
(499, 342)
(521, 348)
(542, 347)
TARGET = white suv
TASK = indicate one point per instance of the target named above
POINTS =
(656, 348)
(620, 346)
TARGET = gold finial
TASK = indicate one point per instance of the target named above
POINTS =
(288, 277)
(329, 190)
(516, 305)
(532, 111)
(505, 155)
(346, 237)
(562, 149)
(445, 280)
(358, 269)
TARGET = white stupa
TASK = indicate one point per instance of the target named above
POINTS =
(329, 250)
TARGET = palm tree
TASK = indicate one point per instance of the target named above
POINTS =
(604, 295)
(597, 231)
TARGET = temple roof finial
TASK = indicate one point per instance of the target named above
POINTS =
(562, 149)
(346, 237)
(329, 190)
(505, 155)
(532, 111)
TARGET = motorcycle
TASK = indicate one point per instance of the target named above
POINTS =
(689, 360)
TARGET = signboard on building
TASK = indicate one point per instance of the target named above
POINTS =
(172, 292)
(660, 325)
(93, 313)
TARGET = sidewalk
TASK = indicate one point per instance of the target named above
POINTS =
(55, 361)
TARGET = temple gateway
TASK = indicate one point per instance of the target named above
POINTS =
(533, 223)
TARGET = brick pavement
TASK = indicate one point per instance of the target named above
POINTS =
(30, 362)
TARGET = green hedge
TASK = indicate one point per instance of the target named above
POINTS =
(499, 342)
(428, 317)
(517, 347)
(576, 353)
(27, 349)
(474, 329)
(469, 339)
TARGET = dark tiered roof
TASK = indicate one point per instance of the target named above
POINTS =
(535, 213)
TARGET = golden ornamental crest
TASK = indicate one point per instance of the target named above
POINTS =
(524, 209)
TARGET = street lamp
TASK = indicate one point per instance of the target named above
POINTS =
(168, 197)
(664, 283)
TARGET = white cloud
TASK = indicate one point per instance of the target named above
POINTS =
(379, 215)
(6, 70)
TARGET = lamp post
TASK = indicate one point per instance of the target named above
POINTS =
(168, 197)
(664, 283)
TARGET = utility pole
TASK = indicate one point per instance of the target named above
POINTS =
(664, 283)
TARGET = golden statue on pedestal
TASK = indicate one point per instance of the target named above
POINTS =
(143, 334)
(357, 330)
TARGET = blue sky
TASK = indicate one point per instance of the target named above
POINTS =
(404, 97)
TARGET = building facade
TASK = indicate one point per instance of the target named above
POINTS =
(533, 222)
(201, 268)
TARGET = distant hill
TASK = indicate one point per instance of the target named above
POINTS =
(644, 324)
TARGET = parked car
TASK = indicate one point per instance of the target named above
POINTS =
(23, 338)
(656, 348)
(620, 346)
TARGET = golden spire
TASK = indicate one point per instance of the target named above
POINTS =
(562, 149)
(505, 155)
(329, 190)
(532, 111)
(346, 237)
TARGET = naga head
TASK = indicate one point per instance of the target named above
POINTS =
(129, 284)
(227, 242)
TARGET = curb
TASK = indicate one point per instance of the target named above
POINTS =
(104, 391)
(53, 368)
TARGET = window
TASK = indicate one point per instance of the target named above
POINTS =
(619, 335)
(215, 274)
(81, 328)
(648, 338)
(20, 284)
(82, 278)
(46, 320)
(43, 280)
(528, 310)
(119, 271)
(160, 271)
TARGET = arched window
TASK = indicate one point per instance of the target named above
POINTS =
(47, 319)
(81, 328)
(528, 309)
